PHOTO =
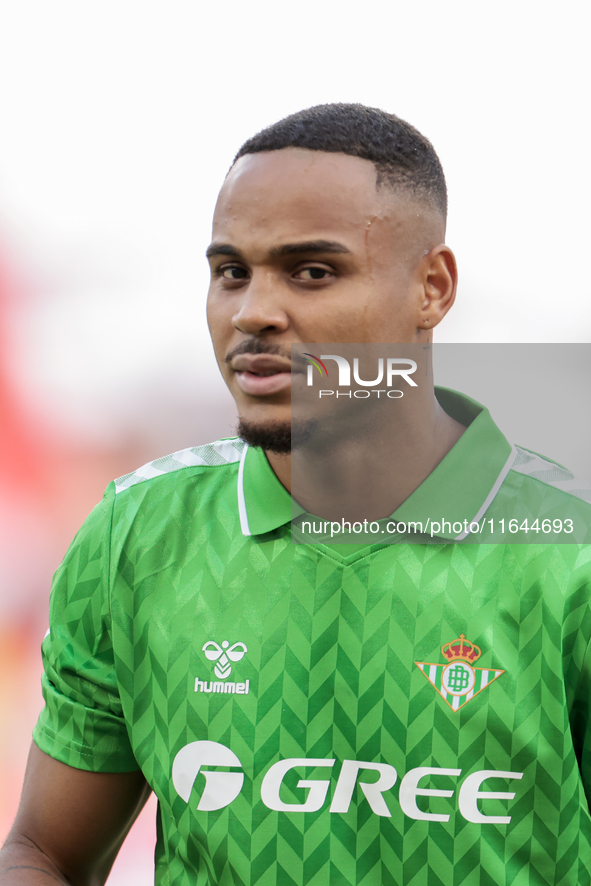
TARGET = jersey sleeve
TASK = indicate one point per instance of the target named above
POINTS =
(82, 722)
(577, 643)
(581, 723)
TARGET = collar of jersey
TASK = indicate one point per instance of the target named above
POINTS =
(461, 487)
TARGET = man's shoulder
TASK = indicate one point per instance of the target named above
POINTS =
(185, 463)
(550, 476)
(191, 487)
(538, 501)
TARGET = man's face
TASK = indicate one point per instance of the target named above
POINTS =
(306, 249)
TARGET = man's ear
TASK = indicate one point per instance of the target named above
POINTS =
(439, 277)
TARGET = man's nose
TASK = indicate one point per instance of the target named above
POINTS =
(262, 307)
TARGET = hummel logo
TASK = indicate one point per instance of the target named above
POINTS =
(223, 655)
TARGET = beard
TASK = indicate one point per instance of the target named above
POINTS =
(274, 436)
(277, 437)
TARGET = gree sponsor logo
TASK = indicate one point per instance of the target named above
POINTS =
(393, 368)
(222, 788)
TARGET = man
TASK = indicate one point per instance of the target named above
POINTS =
(371, 713)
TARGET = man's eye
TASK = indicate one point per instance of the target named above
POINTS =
(233, 272)
(313, 273)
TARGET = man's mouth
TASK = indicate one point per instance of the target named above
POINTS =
(261, 374)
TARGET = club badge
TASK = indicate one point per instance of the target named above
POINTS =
(457, 681)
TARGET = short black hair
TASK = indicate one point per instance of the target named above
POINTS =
(402, 156)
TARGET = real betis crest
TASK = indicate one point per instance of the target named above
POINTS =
(457, 681)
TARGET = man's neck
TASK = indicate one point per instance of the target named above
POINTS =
(368, 475)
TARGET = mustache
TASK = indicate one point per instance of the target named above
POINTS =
(256, 346)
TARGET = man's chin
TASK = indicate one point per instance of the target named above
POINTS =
(277, 437)
(271, 436)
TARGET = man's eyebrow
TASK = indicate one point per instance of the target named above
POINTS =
(221, 249)
(308, 246)
(315, 246)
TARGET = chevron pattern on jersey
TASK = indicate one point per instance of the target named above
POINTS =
(79, 642)
(332, 637)
(332, 643)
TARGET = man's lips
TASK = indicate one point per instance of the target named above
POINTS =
(261, 374)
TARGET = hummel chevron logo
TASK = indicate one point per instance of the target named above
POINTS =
(457, 681)
(223, 655)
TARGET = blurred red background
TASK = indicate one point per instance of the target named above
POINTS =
(50, 478)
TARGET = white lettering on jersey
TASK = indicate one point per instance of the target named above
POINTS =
(272, 783)
(217, 686)
(470, 793)
(222, 788)
(343, 792)
(410, 790)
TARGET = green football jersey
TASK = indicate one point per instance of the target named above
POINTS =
(377, 714)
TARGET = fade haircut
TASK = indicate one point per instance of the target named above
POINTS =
(402, 156)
